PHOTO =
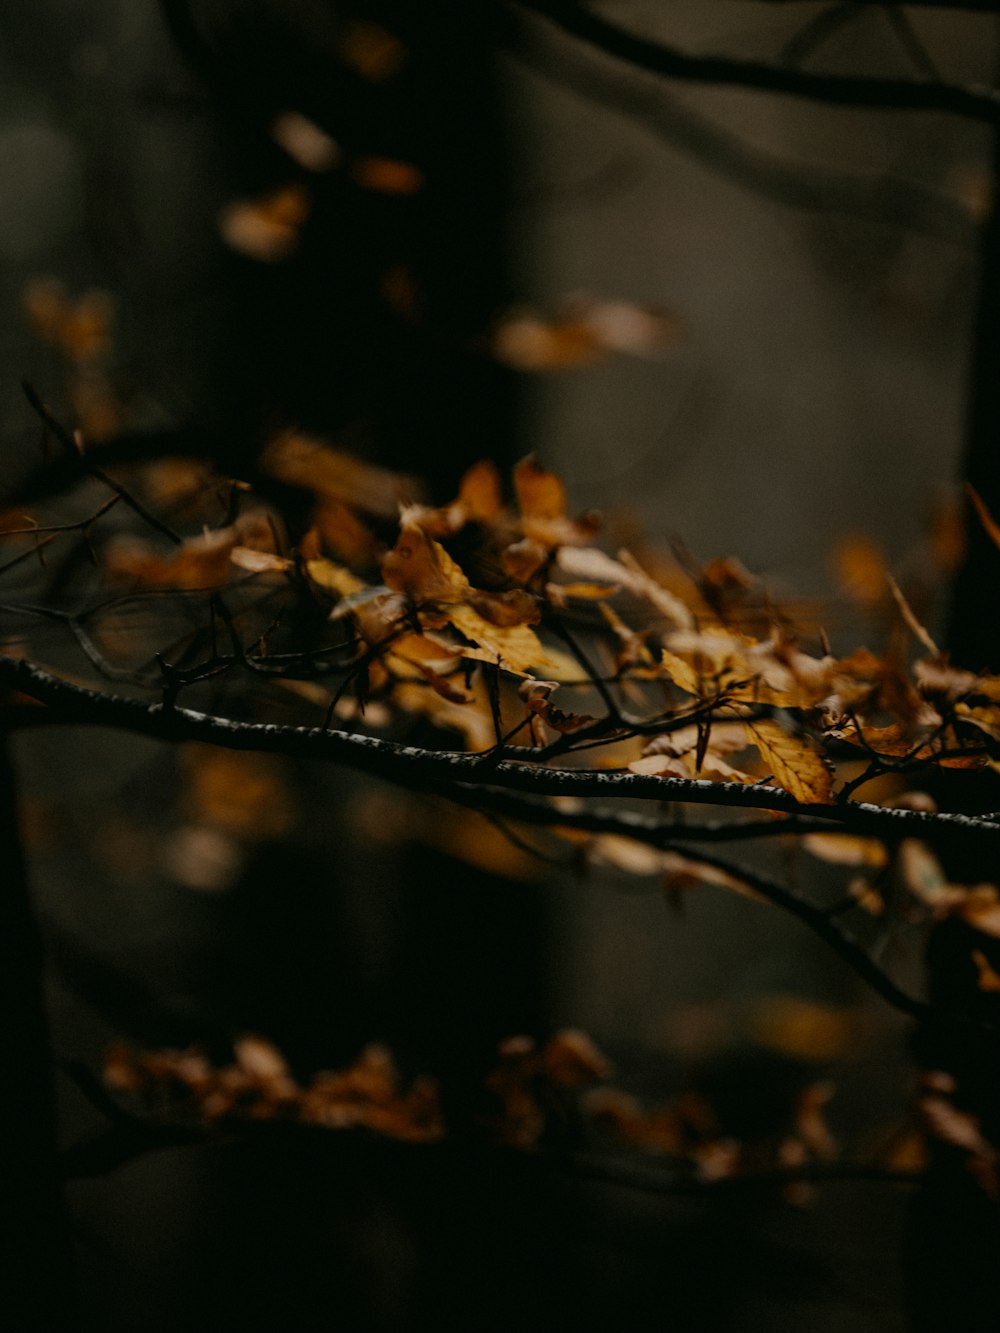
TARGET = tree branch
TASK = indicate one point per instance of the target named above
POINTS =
(972, 101)
(421, 769)
(868, 196)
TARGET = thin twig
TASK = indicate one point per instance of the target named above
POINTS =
(88, 466)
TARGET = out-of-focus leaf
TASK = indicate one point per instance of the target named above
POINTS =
(988, 978)
(303, 140)
(372, 51)
(861, 570)
(266, 228)
(845, 849)
(384, 175)
(301, 460)
(804, 1029)
(205, 561)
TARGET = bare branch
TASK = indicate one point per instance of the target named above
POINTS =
(971, 101)
(874, 197)
(89, 467)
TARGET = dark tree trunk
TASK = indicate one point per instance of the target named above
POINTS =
(974, 631)
(35, 1272)
(953, 1239)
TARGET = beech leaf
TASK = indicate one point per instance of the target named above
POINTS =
(795, 762)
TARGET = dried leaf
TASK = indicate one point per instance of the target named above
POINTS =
(334, 578)
(921, 872)
(384, 175)
(304, 142)
(301, 460)
(536, 694)
(846, 849)
(372, 51)
(540, 493)
(205, 561)
(516, 646)
(525, 342)
(861, 570)
(986, 719)
(980, 908)
(804, 1029)
(266, 228)
(989, 978)
(420, 567)
(259, 562)
(794, 761)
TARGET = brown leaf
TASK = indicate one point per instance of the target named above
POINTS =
(479, 493)
(989, 978)
(420, 567)
(536, 694)
(385, 175)
(301, 460)
(372, 51)
(205, 561)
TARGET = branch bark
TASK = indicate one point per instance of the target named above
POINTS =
(440, 770)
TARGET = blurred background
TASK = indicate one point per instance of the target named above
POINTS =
(735, 319)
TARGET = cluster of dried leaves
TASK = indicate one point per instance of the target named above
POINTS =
(259, 1085)
(506, 629)
(557, 1094)
(509, 627)
(708, 678)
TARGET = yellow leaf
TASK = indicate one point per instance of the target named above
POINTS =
(516, 645)
(334, 578)
(987, 719)
(804, 1029)
(682, 673)
(860, 569)
(420, 567)
(794, 761)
